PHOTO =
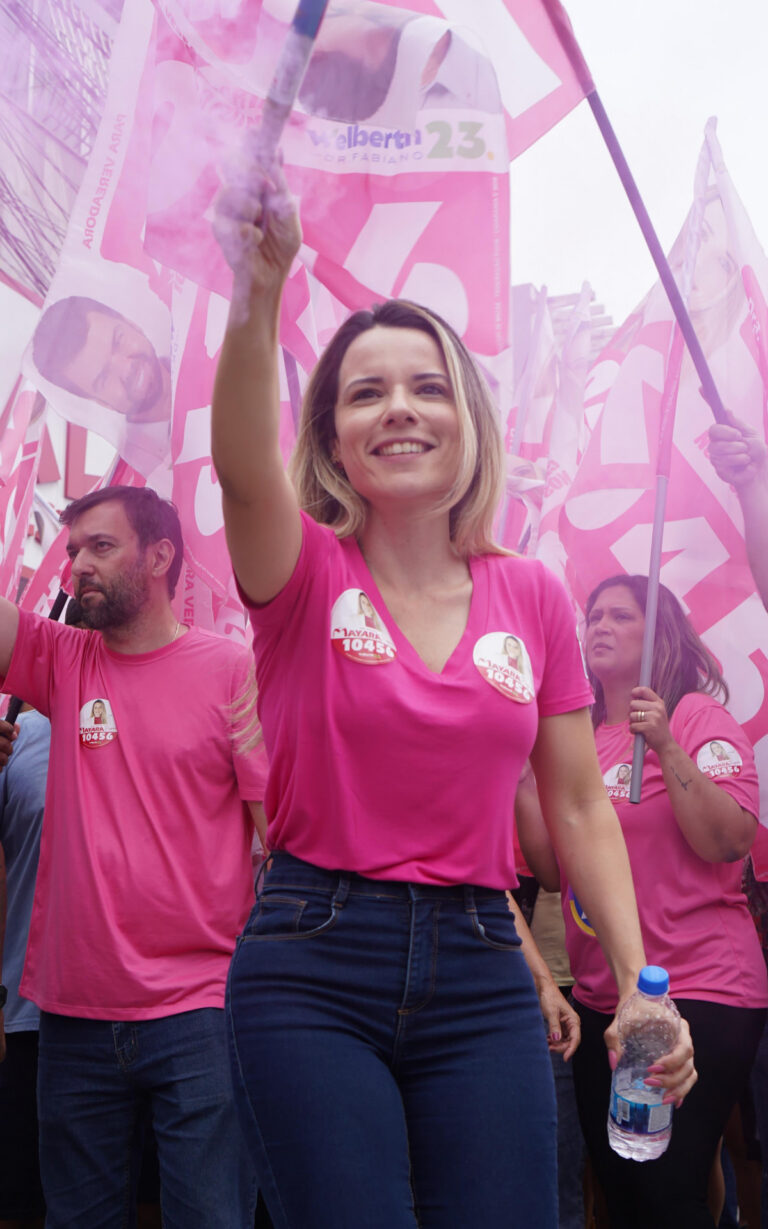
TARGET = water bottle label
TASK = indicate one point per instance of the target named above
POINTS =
(640, 1115)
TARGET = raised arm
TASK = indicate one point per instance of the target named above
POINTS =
(258, 229)
(740, 457)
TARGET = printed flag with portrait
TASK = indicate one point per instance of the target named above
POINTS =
(606, 521)
(397, 152)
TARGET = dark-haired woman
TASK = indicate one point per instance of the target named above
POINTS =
(686, 842)
(387, 1041)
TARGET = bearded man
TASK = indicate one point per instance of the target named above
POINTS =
(144, 879)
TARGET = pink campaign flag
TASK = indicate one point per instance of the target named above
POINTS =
(527, 434)
(567, 430)
(398, 152)
(606, 521)
(545, 430)
(20, 453)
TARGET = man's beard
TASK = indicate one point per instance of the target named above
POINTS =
(122, 600)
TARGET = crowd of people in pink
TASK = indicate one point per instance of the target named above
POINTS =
(277, 925)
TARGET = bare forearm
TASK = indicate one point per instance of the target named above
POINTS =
(261, 512)
(245, 419)
(591, 850)
(587, 839)
(712, 822)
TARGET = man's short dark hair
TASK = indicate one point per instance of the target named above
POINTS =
(150, 517)
(61, 333)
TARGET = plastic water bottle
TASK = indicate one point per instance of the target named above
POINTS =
(639, 1125)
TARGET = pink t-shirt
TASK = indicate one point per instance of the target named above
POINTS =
(145, 870)
(693, 914)
(378, 764)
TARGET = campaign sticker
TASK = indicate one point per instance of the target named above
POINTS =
(503, 661)
(617, 781)
(97, 723)
(719, 759)
(579, 916)
(358, 632)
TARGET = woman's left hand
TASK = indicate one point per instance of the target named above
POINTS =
(563, 1024)
(648, 716)
(674, 1072)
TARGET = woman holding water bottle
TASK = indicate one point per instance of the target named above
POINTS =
(686, 841)
(387, 1042)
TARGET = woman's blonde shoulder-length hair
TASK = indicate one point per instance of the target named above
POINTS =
(323, 489)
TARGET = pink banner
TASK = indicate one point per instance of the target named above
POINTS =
(606, 522)
(22, 453)
(545, 430)
(398, 154)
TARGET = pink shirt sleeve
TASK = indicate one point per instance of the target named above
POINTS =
(718, 747)
(316, 543)
(41, 644)
(251, 767)
(252, 770)
(565, 686)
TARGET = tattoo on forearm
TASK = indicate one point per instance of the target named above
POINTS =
(684, 784)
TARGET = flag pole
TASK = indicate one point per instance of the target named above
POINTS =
(687, 333)
(667, 415)
(664, 462)
(563, 29)
(708, 391)
(291, 66)
(708, 387)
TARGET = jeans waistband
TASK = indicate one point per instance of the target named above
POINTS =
(283, 870)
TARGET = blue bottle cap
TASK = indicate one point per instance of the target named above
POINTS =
(653, 980)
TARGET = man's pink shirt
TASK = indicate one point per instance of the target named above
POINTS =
(145, 874)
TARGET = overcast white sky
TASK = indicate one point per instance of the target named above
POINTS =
(661, 67)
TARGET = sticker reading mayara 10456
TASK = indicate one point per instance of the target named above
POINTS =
(97, 723)
(358, 632)
(719, 758)
(617, 781)
(503, 661)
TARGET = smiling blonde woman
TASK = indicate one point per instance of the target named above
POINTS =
(386, 1036)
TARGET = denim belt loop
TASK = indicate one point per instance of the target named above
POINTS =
(469, 898)
(342, 891)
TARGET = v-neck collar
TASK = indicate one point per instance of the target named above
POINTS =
(478, 604)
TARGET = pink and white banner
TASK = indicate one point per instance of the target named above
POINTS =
(545, 431)
(606, 522)
(398, 152)
(19, 461)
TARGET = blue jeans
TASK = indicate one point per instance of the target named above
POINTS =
(94, 1078)
(570, 1148)
(390, 1058)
